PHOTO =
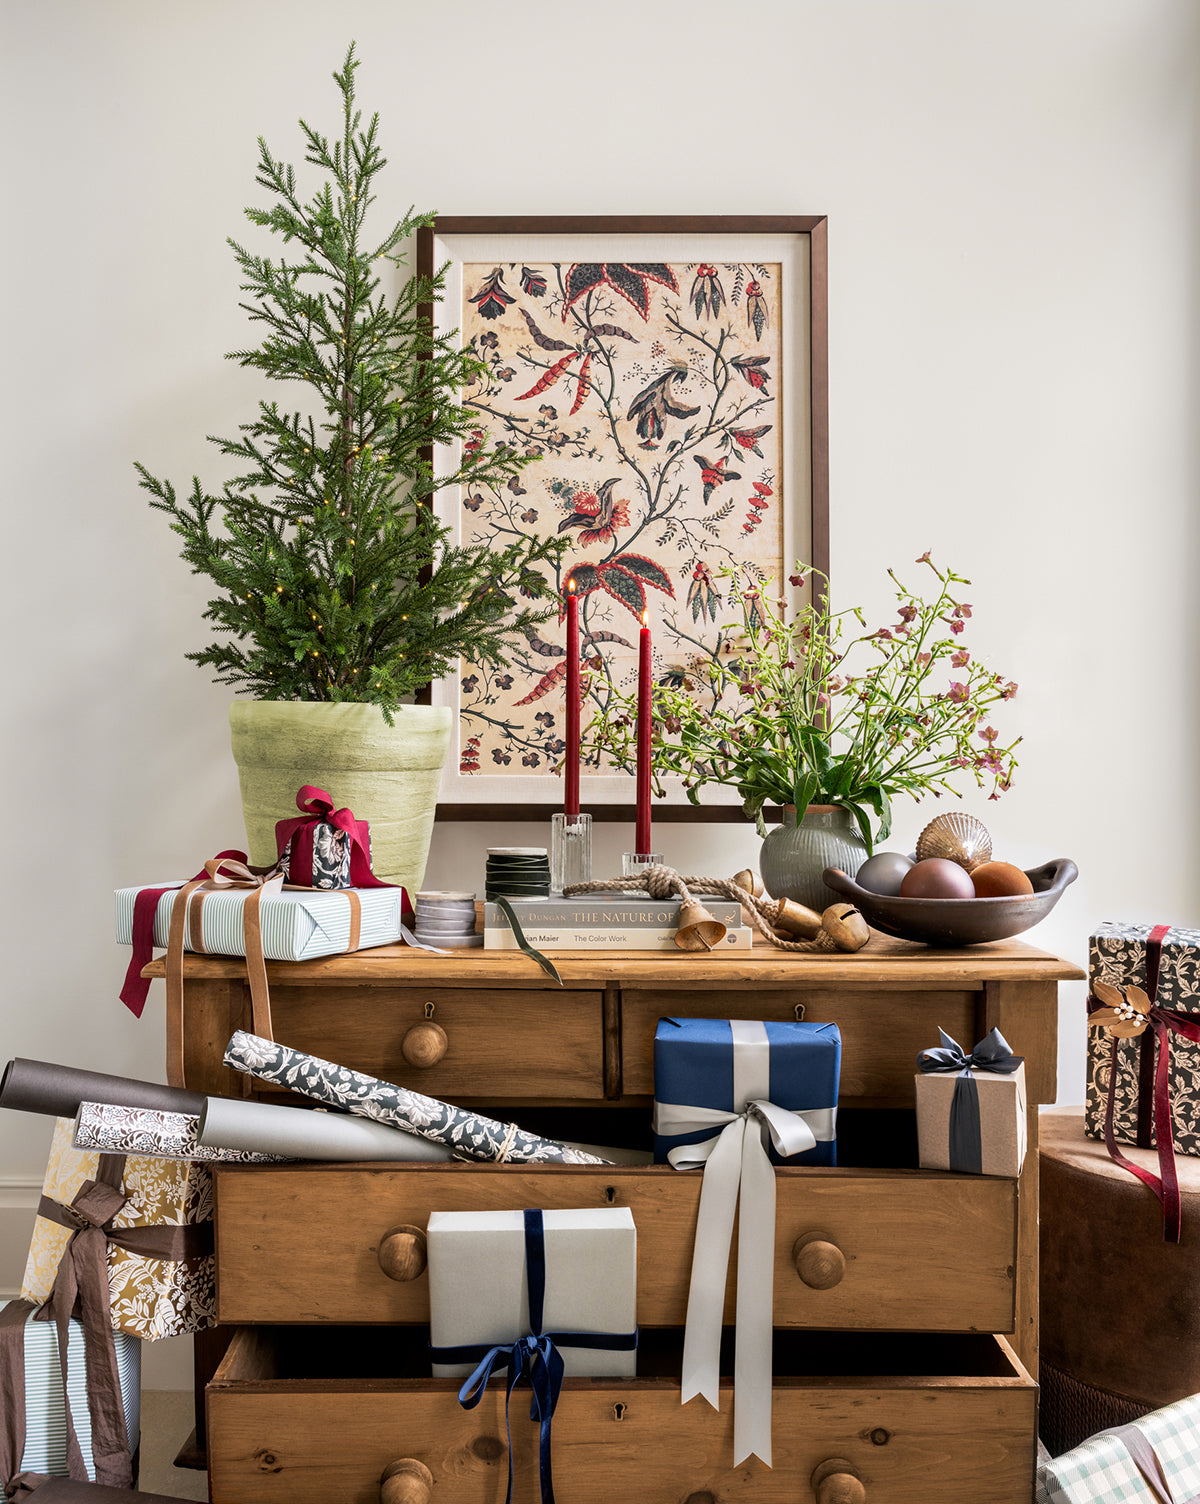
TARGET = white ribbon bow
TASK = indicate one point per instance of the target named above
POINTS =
(735, 1162)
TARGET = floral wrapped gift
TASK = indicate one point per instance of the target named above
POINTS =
(158, 1222)
(1163, 963)
(1150, 1461)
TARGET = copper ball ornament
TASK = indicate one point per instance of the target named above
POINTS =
(937, 877)
(956, 838)
(1000, 880)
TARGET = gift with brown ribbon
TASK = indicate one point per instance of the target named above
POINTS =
(145, 1225)
(81, 1287)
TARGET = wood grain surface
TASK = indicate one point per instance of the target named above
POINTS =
(882, 1032)
(910, 1438)
(883, 962)
(923, 1251)
(528, 1043)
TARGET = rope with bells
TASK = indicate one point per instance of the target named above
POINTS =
(840, 928)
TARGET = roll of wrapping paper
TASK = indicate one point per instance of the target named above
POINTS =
(153, 1134)
(471, 1136)
(57, 1090)
(229, 1124)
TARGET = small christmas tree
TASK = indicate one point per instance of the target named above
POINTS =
(336, 581)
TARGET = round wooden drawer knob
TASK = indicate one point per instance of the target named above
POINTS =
(402, 1252)
(820, 1263)
(834, 1481)
(406, 1481)
(424, 1045)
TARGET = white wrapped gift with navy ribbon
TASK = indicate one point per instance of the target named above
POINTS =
(1155, 1460)
(45, 1414)
(296, 925)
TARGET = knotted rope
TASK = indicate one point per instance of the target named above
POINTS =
(664, 882)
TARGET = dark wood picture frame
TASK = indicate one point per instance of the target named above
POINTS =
(815, 229)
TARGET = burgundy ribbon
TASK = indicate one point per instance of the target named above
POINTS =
(317, 809)
(1164, 1022)
(145, 907)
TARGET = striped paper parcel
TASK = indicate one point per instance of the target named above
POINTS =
(296, 926)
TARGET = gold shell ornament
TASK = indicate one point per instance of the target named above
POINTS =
(957, 838)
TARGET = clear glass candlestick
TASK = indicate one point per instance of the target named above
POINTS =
(570, 851)
(634, 864)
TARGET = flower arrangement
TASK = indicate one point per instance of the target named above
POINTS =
(823, 709)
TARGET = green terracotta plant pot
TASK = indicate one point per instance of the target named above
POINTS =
(794, 856)
(388, 775)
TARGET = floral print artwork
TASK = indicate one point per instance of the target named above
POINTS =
(647, 396)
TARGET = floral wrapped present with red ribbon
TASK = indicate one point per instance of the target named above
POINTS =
(1143, 1077)
(323, 847)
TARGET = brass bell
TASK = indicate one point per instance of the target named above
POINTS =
(698, 930)
(796, 920)
(750, 882)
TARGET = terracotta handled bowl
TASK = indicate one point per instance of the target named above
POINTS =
(959, 921)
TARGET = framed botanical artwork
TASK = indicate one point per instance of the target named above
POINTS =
(674, 407)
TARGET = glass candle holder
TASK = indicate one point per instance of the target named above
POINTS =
(570, 851)
(633, 864)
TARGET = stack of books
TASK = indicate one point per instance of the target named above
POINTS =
(607, 921)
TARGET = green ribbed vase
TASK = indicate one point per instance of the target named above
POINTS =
(794, 856)
(388, 775)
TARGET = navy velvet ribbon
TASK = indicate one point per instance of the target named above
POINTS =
(534, 1357)
(992, 1053)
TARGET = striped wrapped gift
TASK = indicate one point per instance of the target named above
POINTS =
(296, 926)
(45, 1414)
(1153, 1460)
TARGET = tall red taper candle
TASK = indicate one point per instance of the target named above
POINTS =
(571, 764)
(644, 721)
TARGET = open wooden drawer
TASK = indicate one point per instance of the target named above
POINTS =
(312, 1416)
(854, 1248)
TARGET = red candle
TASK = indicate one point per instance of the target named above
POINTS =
(644, 720)
(571, 766)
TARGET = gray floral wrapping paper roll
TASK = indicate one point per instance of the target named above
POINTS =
(154, 1133)
(470, 1135)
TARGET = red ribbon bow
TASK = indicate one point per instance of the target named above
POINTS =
(1164, 1022)
(317, 809)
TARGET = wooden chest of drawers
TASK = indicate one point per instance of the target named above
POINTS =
(895, 1289)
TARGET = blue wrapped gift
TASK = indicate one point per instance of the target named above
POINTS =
(733, 1097)
(719, 1064)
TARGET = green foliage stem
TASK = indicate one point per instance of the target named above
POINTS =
(335, 580)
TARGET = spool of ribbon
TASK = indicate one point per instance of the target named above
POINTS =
(992, 1054)
(737, 1167)
(1154, 1090)
(316, 808)
(534, 1357)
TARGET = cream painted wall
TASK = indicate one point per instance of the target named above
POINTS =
(1012, 201)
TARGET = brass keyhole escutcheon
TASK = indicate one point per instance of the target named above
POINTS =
(619, 1410)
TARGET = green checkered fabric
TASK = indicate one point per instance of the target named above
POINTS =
(1101, 1471)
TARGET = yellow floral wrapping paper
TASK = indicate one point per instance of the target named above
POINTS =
(150, 1297)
